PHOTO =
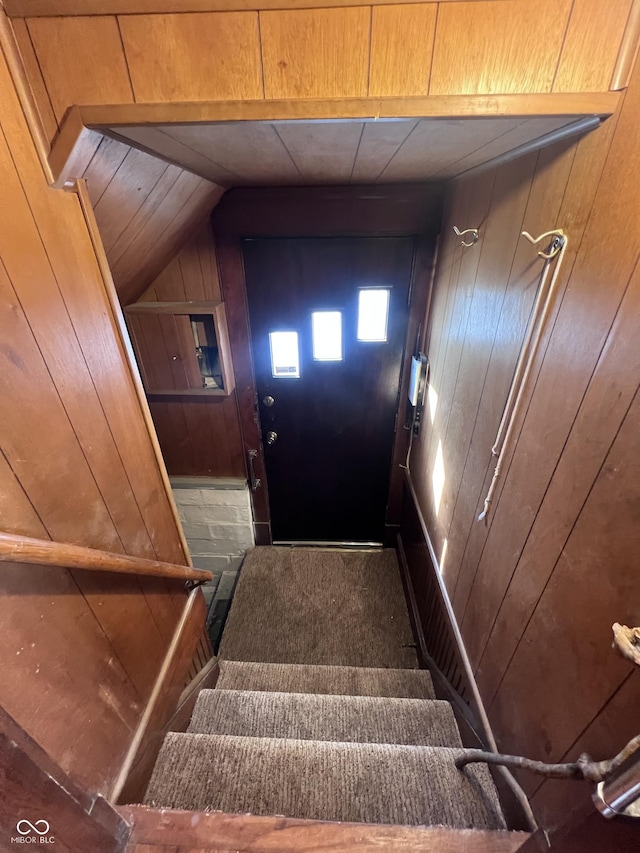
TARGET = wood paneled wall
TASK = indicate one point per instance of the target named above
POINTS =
(80, 651)
(537, 587)
(340, 52)
(201, 436)
(145, 210)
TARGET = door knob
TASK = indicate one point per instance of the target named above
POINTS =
(272, 437)
(268, 401)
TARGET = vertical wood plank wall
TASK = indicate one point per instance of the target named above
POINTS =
(537, 588)
(80, 651)
(199, 437)
(340, 52)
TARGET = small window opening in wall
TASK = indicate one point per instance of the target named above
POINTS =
(285, 357)
(204, 336)
(373, 313)
(326, 332)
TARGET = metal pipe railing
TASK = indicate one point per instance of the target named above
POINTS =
(526, 359)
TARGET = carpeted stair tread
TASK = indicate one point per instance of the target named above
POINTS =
(373, 783)
(308, 716)
(337, 680)
(320, 606)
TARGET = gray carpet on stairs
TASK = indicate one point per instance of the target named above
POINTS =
(319, 606)
(304, 716)
(374, 783)
(337, 680)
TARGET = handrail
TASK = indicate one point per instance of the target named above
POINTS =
(23, 549)
(528, 352)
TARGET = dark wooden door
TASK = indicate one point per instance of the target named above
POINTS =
(328, 465)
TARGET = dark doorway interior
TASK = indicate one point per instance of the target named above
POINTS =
(328, 404)
(283, 254)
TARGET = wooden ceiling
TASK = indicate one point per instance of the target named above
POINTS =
(289, 153)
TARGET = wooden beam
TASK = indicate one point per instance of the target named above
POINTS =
(373, 109)
(72, 149)
(80, 131)
(51, 8)
(43, 552)
(165, 827)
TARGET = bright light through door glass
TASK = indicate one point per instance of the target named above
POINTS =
(285, 358)
(373, 313)
(326, 327)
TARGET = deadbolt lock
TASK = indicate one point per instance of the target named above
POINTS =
(272, 437)
(268, 401)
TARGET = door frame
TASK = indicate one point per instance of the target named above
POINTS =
(407, 210)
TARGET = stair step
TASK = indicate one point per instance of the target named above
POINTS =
(309, 716)
(336, 680)
(371, 783)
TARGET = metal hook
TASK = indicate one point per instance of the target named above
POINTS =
(474, 235)
(556, 245)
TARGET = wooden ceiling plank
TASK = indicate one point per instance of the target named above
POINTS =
(104, 164)
(528, 131)
(323, 152)
(188, 202)
(119, 205)
(441, 142)
(379, 142)
(127, 242)
(251, 153)
(161, 142)
(290, 153)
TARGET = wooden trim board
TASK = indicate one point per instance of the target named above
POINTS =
(48, 8)
(477, 702)
(140, 773)
(163, 828)
(335, 109)
(467, 704)
(11, 52)
(628, 50)
(167, 688)
(125, 340)
(72, 151)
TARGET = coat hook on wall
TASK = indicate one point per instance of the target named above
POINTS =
(556, 244)
(474, 235)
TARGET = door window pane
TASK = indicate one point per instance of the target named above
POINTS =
(326, 328)
(373, 313)
(285, 358)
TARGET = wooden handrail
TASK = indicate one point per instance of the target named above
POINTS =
(22, 549)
